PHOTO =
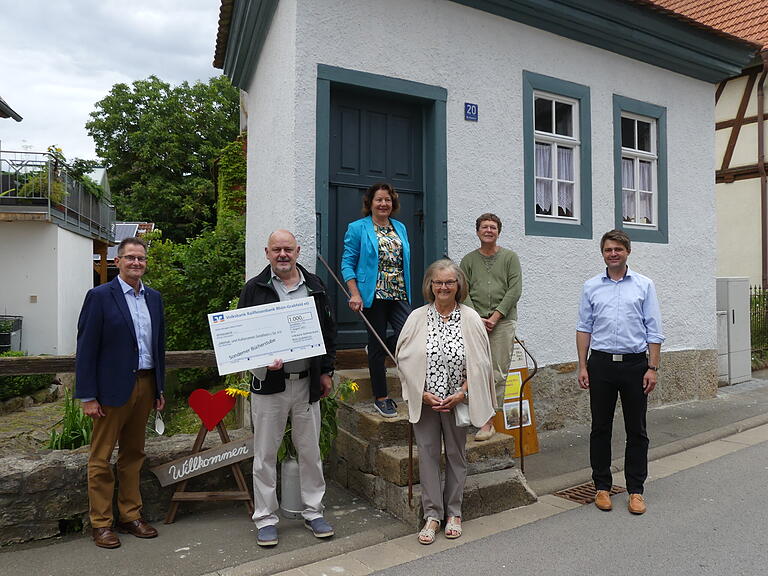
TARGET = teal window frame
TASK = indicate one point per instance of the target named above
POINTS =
(660, 234)
(532, 83)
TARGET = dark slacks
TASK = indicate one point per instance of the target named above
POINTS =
(381, 313)
(607, 380)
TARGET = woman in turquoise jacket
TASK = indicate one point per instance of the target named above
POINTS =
(376, 267)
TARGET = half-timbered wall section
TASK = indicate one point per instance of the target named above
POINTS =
(741, 176)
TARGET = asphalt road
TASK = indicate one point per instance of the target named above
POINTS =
(708, 520)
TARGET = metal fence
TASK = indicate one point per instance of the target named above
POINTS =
(40, 183)
(758, 318)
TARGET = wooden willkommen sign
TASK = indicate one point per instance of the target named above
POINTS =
(203, 462)
(198, 463)
(211, 408)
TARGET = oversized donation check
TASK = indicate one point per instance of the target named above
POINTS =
(253, 337)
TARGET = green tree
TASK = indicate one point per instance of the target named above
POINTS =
(196, 278)
(159, 142)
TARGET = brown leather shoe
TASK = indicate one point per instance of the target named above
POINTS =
(636, 504)
(603, 500)
(139, 528)
(105, 538)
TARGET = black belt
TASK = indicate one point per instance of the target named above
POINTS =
(296, 375)
(618, 357)
(146, 372)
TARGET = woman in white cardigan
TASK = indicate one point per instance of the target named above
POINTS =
(444, 359)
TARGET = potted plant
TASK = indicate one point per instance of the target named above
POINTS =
(10, 333)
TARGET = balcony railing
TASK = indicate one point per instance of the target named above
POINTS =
(40, 184)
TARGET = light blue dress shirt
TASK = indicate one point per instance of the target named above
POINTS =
(622, 316)
(142, 322)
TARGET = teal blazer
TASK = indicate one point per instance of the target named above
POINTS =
(360, 259)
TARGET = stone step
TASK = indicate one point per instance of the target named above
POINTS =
(352, 453)
(363, 380)
(364, 422)
(493, 454)
(485, 493)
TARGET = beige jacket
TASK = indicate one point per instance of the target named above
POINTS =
(411, 356)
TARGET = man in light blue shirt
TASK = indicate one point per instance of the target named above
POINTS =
(620, 327)
(120, 368)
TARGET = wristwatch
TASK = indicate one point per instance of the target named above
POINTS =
(466, 393)
(654, 368)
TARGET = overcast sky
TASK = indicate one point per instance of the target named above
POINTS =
(60, 57)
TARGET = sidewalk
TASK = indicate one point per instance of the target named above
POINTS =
(221, 540)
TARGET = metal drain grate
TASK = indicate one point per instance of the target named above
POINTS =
(585, 493)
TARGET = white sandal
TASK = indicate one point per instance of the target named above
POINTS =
(453, 528)
(427, 534)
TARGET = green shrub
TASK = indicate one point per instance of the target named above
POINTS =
(23, 385)
(37, 187)
(76, 427)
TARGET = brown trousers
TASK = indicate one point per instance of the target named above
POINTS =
(123, 426)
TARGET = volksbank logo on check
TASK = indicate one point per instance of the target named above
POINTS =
(218, 318)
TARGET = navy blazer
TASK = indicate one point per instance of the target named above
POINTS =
(360, 259)
(107, 348)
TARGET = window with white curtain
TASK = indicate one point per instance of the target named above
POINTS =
(556, 156)
(639, 171)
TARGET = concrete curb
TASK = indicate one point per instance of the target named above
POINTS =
(317, 553)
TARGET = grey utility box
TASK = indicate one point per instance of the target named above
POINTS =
(732, 298)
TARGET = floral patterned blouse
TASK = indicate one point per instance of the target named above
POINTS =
(446, 358)
(390, 284)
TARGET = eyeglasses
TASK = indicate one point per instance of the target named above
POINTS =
(447, 283)
(132, 258)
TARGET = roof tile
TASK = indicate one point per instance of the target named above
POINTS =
(747, 19)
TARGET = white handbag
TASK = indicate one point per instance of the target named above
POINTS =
(461, 414)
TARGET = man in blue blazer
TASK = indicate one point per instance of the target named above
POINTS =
(120, 376)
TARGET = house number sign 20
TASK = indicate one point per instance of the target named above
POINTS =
(470, 112)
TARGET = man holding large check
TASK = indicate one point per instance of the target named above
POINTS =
(292, 387)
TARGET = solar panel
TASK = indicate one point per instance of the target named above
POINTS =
(123, 230)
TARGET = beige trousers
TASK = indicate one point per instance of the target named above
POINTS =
(125, 427)
(502, 340)
(270, 413)
(432, 430)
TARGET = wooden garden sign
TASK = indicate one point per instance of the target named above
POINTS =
(211, 408)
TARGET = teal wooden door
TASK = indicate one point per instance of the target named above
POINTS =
(373, 139)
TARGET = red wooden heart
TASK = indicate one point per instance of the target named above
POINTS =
(211, 407)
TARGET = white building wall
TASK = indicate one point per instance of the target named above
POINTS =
(274, 200)
(75, 278)
(30, 272)
(738, 230)
(479, 58)
(46, 272)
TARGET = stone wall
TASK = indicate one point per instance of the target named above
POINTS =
(684, 375)
(45, 493)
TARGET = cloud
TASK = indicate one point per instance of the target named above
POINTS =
(61, 57)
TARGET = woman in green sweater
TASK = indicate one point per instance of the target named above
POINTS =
(495, 285)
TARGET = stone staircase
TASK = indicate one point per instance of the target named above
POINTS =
(370, 457)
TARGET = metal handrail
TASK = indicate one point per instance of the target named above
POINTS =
(78, 209)
(520, 402)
